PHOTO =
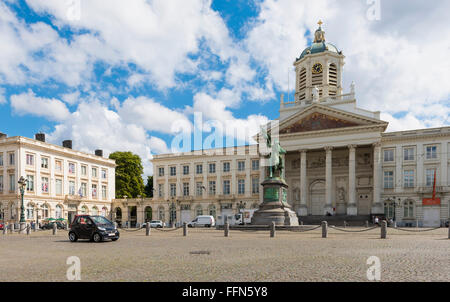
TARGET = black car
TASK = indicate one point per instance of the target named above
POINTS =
(95, 228)
(49, 226)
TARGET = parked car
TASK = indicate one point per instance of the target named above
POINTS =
(154, 224)
(49, 225)
(1, 226)
(95, 228)
(202, 221)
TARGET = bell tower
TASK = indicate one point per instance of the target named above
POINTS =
(318, 71)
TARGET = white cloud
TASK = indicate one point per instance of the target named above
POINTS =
(29, 103)
(71, 98)
(2, 96)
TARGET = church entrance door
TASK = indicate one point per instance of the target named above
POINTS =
(317, 198)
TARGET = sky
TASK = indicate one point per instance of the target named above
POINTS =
(136, 75)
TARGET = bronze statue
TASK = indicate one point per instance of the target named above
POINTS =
(276, 163)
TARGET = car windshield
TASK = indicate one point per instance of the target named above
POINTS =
(100, 220)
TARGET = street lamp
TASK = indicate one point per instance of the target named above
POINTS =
(22, 184)
(241, 207)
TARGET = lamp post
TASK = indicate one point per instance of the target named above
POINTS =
(22, 184)
(241, 207)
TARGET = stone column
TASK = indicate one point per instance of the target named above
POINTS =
(377, 206)
(352, 209)
(328, 180)
(303, 210)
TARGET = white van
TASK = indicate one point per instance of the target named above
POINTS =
(202, 221)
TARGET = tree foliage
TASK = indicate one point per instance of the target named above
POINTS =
(149, 187)
(129, 172)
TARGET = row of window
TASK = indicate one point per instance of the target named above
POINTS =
(212, 168)
(408, 154)
(408, 209)
(11, 159)
(199, 187)
(45, 211)
(408, 178)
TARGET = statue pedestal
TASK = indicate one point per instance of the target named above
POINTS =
(274, 206)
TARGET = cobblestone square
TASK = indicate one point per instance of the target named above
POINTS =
(206, 255)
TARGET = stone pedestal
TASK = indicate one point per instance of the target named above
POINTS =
(275, 207)
(23, 228)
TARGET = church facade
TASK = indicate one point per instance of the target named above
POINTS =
(340, 160)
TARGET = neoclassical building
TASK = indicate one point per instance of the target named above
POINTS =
(340, 160)
(61, 182)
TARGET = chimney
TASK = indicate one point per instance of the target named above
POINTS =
(99, 153)
(67, 144)
(3, 135)
(40, 137)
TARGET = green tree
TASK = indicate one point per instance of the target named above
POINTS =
(149, 187)
(129, 172)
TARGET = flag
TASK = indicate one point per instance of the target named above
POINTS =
(434, 185)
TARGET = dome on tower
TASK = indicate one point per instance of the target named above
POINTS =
(319, 45)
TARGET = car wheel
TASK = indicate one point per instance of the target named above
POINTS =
(96, 237)
(73, 237)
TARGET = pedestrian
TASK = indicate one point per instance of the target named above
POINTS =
(377, 222)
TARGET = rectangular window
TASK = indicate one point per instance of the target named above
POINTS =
(199, 188)
(12, 159)
(173, 171)
(161, 190)
(1, 160)
(30, 183)
(388, 179)
(104, 174)
(30, 159)
(241, 165)
(431, 152)
(185, 170)
(388, 155)
(408, 154)
(44, 185)
(94, 191)
(12, 182)
(199, 169)
(72, 187)
(94, 172)
(255, 164)
(83, 192)
(58, 187)
(44, 162)
(226, 187)
(212, 168)
(185, 189)
(58, 166)
(71, 168)
(255, 185)
(226, 167)
(161, 172)
(241, 186)
(83, 170)
(173, 190)
(430, 177)
(103, 192)
(1, 183)
(212, 188)
(408, 179)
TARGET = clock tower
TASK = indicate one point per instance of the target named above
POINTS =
(318, 71)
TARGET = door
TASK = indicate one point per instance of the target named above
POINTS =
(363, 204)
(318, 198)
(431, 217)
(71, 216)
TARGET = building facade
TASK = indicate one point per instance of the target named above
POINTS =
(61, 182)
(340, 160)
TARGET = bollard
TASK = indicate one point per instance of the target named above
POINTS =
(272, 229)
(226, 229)
(417, 223)
(383, 229)
(5, 229)
(449, 231)
(12, 228)
(367, 224)
(345, 224)
(185, 229)
(28, 229)
(54, 229)
(324, 229)
(147, 229)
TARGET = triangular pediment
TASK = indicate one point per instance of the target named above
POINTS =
(322, 118)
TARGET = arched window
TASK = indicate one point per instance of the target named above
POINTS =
(173, 214)
(161, 214)
(104, 211)
(58, 212)
(148, 213)
(94, 211)
(389, 209)
(212, 210)
(30, 210)
(118, 213)
(198, 210)
(45, 211)
(408, 209)
(84, 210)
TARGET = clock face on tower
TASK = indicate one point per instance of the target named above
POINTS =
(317, 68)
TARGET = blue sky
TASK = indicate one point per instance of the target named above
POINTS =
(117, 76)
